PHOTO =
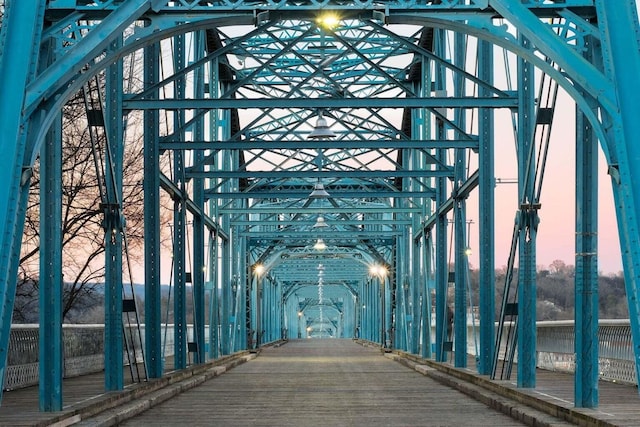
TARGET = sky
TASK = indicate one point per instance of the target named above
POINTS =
(556, 231)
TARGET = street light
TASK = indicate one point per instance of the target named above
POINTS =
(380, 272)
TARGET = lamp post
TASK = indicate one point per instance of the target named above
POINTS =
(258, 271)
(299, 324)
(380, 272)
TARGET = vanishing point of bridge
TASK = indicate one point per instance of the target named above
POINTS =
(307, 169)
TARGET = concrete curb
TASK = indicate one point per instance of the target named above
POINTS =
(520, 404)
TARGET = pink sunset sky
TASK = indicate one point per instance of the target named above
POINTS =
(556, 231)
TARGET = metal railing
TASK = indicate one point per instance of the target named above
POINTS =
(84, 348)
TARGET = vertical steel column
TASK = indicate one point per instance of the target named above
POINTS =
(361, 315)
(486, 219)
(442, 269)
(179, 274)
(426, 294)
(400, 315)
(113, 331)
(152, 291)
(460, 217)
(50, 337)
(265, 310)
(619, 34)
(198, 265)
(256, 305)
(179, 220)
(416, 290)
(586, 275)
(460, 274)
(229, 283)
(198, 221)
(19, 38)
(214, 297)
(528, 218)
(442, 274)
(242, 301)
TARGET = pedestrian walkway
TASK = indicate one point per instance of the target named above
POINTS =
(322, 383)
(325, 382)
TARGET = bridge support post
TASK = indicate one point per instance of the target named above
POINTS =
(586, 274)
(50, 338)
(152, 312)
(460, 218)
(113, 351)
(528, 223)
(486, 221)
(619, 26)
(20, 39)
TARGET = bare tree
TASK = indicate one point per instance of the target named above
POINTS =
(82, 218)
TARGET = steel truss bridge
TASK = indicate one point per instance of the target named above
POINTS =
(317, 156)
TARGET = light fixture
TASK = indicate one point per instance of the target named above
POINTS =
(321, 130)
(320, 245)
(258, 269)
(320, 222)
(378, 270)
(318, 191)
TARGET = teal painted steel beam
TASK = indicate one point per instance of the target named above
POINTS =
(226, 312)
(283, 7)
(380, 237)
(363, 209)
(321, 103)
(198, 221)
(113, 228)
(528, 223)
(179, 226)
(569, 60)
(50, 367)
(214, 297)
(19, 38)
(152, 312)
(463, 191)
(329, 221)
(280, 174)
(92, 45)
(460, 221)
(256, 195)
(486, 218)
(254, 144)
(619, 34)
(176, 193)
(586, 272)
(442, 275)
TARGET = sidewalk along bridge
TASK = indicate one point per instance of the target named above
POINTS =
(313, 165)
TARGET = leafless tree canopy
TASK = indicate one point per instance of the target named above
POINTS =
(82, 218)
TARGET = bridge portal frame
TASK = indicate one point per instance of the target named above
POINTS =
(34, 99)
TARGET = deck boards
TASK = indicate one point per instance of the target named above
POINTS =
(315, 382)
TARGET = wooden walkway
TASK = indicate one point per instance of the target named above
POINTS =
(324, 382)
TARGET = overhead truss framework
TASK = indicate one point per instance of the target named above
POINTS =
(317, 152)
